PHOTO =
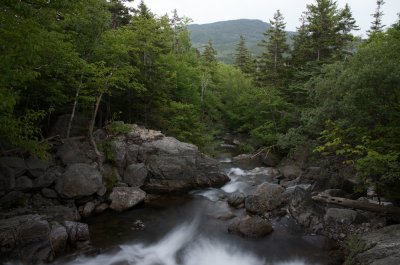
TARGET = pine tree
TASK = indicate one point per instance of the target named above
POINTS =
(272, 60)
(377, 25)
(326, 32)
(243, 59)
(209, 54)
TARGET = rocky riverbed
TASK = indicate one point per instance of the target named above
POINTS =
(46, 206)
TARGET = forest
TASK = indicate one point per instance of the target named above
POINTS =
(329, 95)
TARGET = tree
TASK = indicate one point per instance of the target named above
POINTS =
(327, 30)
(243, 59)
(272, 61)
(376, 25)
(209, 54)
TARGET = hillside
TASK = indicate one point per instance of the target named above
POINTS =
(225, 35)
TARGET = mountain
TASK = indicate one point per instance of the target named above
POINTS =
(225, 36)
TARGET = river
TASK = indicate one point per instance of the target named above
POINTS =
(192, 230)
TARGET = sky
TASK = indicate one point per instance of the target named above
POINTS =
(208, 11)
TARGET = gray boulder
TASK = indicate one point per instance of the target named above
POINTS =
(343, 216)
(79, 180)
(101, 208)
(135, 175)
(36, 167)
(176, 166)
(23, 183)
(382, 247)
(290, 171)
(78, 233)
(60, 213)
(124, 198)
(58, 239)
(21, 230)
(250, 226)
(132, 152)
(48, 178)
(88, 209)
(236, 198)
(140, 135)
(267, 197)
(72, 152)
(118, 149)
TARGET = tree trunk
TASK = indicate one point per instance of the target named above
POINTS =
(367, 206)
(74, 108)
(90, 133)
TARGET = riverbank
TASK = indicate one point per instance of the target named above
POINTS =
(48, 208)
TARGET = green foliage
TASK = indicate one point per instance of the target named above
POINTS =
(106, 149)
(118, 127)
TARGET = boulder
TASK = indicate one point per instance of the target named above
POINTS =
(250, 226)
(290, 171)
(118, 149)
(78, 233)
(60, 213)
(303, 209)
(124, 198)
(58, 239)
(343, 216)
(101, 208)
(21, 230)
(176, 166)
(36, 167)
(381, 247)
(132, 152)
(135, 175)
(267, 197)
(235, 199)
(79, 180)
(140, 135)
(48, 178)
(23, 183)
(72, 152)
(287, 194)
(17, 164)
(88, 209)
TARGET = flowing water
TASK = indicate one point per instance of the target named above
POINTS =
(192, 230)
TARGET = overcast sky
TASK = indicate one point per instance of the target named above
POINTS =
(207, 11)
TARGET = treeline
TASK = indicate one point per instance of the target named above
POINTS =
(329, 92)
(102, 60)
(331, 95)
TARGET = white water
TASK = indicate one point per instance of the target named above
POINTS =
(182, 246)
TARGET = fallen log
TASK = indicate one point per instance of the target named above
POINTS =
(361, 205)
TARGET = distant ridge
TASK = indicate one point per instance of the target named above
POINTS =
(225, 36)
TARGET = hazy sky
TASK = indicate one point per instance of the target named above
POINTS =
(207, 11)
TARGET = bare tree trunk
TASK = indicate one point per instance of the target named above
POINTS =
(74, 108)
(362, 205)
(204, 83)
(276, 57)
(90, 133)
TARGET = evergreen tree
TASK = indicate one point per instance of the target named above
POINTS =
(209, 54)
(376, 25)
(326, 32)
(243, 59)
(272, 60)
